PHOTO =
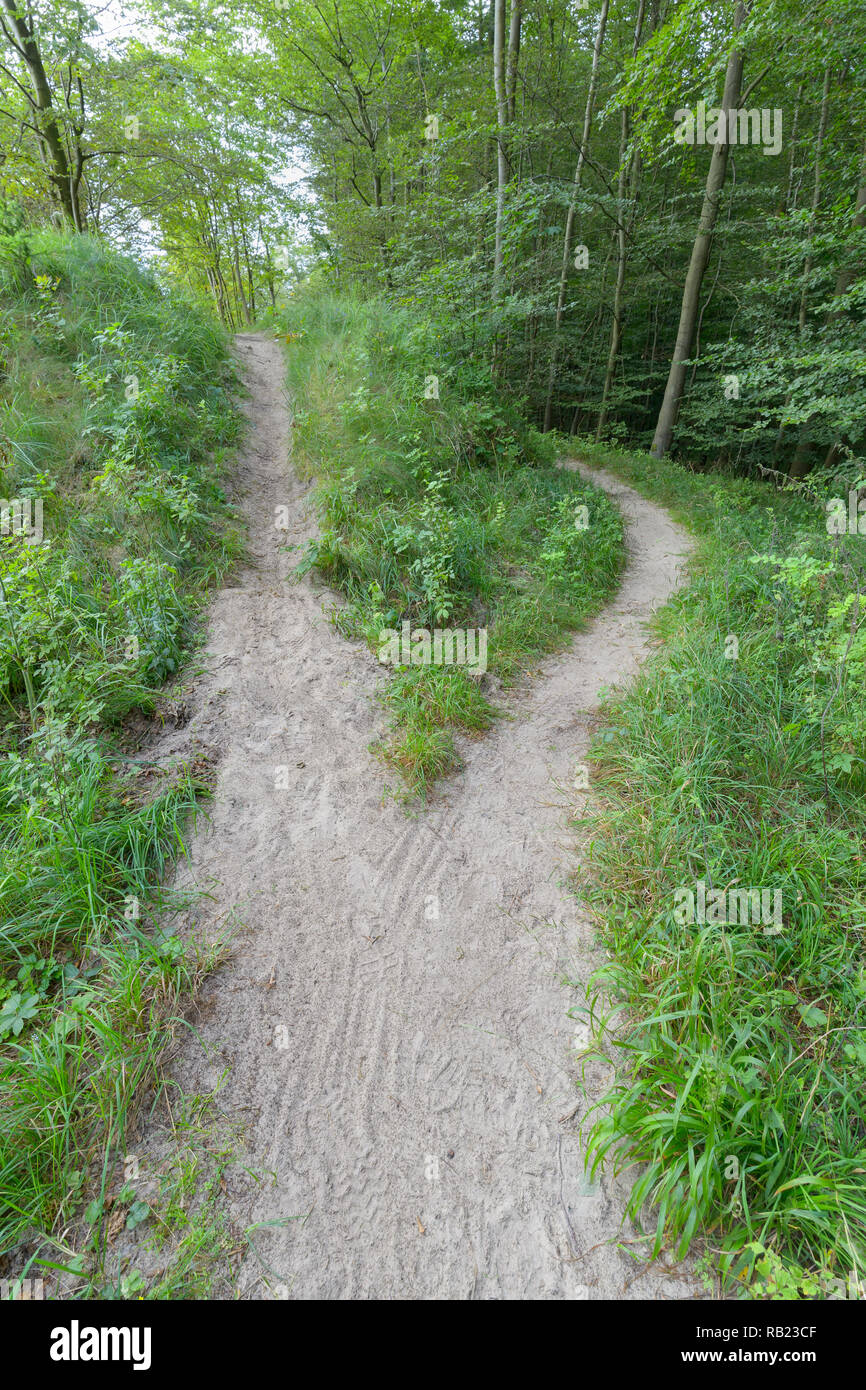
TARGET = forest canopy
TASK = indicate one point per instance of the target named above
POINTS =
(644, 221)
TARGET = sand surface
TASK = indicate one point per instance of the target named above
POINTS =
(396, 1014)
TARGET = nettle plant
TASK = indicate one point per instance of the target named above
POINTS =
(429, 537)
(31, 993)
(153, 613)
(49, 321)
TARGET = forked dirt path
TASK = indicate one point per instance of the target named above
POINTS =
(395, 1016)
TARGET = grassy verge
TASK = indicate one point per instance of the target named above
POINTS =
(441, 508)
(737, 760)
(115, 415)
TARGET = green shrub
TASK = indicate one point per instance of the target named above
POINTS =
(440, 510)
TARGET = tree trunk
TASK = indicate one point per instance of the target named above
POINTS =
(569, 221)
(61, 179)
(626, 181)
(700, 255)
(792, 159)
(513, 56)
(269, 272)
(816, 194)
(251, 288)
(802, 459)
(237, 278)
(848, 271)
(502, 170)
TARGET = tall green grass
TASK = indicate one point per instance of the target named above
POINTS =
(444, 510)
(742, 1055)
(116, 411)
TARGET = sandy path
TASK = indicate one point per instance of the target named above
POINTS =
(405, 1073)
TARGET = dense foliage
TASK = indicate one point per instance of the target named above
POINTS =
(519, 170)
(115, 412)
(442, 511)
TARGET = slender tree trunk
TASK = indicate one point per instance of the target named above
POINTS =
(23, 38)
(801, 461)
(251, 289)
(627, 180)
(569, 221)
(792, 160)
(816, 195)
(502, 170)
(214, 288)
(538, 262)
(513, 57)
(236, 272)
(228, 316)
(846, 275)
(269, 271)
(790, 206)
(700, 254)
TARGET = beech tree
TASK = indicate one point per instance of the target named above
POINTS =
(701, 250)
(58, 140)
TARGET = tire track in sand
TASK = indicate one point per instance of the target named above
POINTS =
(406, 1074)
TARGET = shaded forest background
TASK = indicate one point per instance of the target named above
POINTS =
(509, 171)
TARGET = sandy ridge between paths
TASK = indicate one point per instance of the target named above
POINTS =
(395, 1017)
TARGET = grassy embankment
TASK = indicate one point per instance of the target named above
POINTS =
(115, 411)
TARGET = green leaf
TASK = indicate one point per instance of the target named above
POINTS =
(812, 1016)
(138, 1212)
